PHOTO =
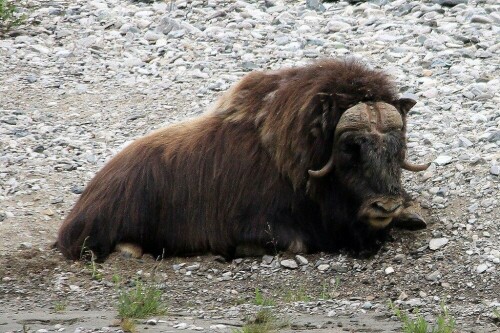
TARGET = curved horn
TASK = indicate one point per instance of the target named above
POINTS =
(415, 167)
(324, 170)
(354, 118)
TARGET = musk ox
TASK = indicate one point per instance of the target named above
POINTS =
(302, 159)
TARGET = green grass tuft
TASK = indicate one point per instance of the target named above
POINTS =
(444, 323)
(8, 17)
(264, 322)
(140, 302)
(261, 300)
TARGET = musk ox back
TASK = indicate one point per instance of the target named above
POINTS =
(301, 159)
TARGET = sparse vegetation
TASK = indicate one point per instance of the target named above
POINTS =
(8, 17)
(140, 302)
(261, 300)
(496, 315)
(328, 289)
(89, 257)
(128, 325)
(60, 306)
(444, 323)
(299, 295)
(264, 322)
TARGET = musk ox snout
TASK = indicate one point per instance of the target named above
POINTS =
(379, 213)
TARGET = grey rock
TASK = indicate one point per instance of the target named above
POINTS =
(495, 170)
(323, 267)
(464, 142)
(481, 268)
(77, 189)
(481, 19)
(337, 26)
(443, 160)
(151, 36)
(450, 3)
(26, 245)
(494, 137)
(267, 259)
(434, 276)
(414, 302)
(437, 243)
(167, 24)
(289, 263)
(151, 322)
(315, 5)
(367, 305)
(193, 267)
(31, 78)
(301, 260)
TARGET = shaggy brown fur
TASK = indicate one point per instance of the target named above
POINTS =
(238, 175)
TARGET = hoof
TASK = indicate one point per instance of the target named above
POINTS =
(129, 250)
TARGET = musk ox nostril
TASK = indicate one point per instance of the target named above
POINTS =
(387, 207)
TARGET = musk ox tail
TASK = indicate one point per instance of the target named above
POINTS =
(116, 205)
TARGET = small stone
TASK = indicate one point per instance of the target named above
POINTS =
(495, 170)
(443, 160)
(367, 305)
(267, 259)
(434, 276)
(301, 260)
(151, 322)
(337, 26)
(481, 19)
(450, 3)
(389, 270)
(193, 267)
(39, 149)
(218, 327)
(26, 245)
(31, 78)
(48, 212)
(399, 258)
(464, 142)
(76, 189)
(181, 326)
(481, 268)
(437, 243)
(403, 296)
(414, 302)
(323, 267)
(289, 263)
(315, 5)
(151, 36)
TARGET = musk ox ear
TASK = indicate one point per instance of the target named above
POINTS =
(404, 104)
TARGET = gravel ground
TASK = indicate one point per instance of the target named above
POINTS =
(83, 78)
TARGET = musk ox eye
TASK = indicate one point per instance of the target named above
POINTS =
(350, 148)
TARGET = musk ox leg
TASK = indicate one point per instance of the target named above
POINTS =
(410, 218)
(129, 250)
(269, 238)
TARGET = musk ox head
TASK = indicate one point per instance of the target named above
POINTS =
(368, 153)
